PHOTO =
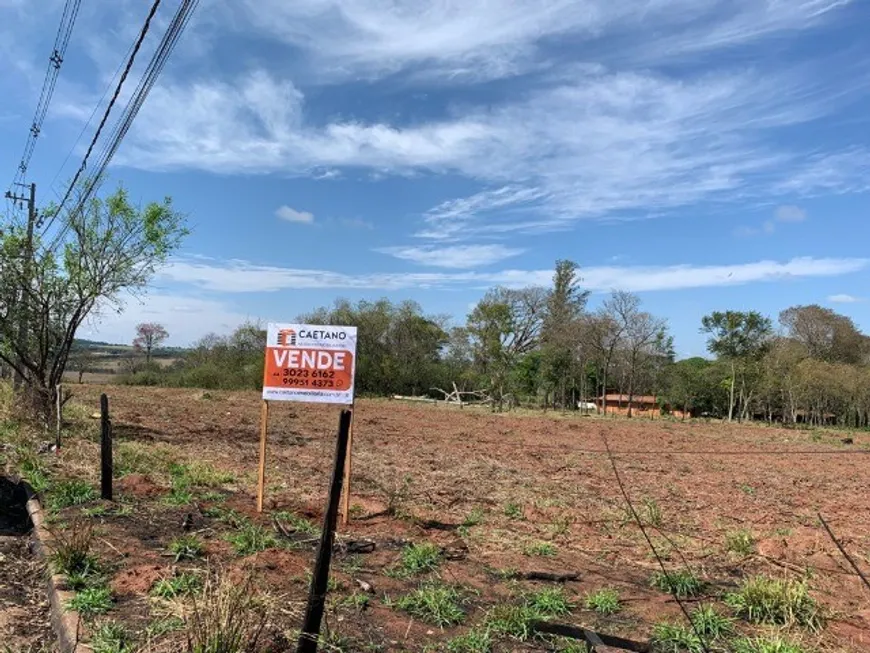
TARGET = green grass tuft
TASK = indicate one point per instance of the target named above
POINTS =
(766, 600)
(542, 549)
(181, 585)
(297, 523)
(91, 601)
(508, 620)
(112, 637)
(72, 492)
(740, 542)
(186, 547)
(513, 510)
(604, 601)
(549, 602)
(474, 641)
(251, 538)
(683, 584)
(773, 644)
(710, 624)
(675, 638)
(418, 559)
(435, 603)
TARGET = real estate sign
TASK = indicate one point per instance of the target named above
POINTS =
(310, 362)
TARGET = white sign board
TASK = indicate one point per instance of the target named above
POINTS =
(310, 362)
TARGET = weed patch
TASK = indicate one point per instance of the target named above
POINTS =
(417, 559)
(91, 601)
(549, 602)
(474, 641)
(710, 624)
(435, 603)
(542, 549)
(784, 602)
(111, 637)
(225, 617)
(72, 492)
(683, 584)
(251, 538)
(186, 547)
(773, 644)
(740, 542)
(181, 585)
(675, 638)
(604, 601)
(513, 510)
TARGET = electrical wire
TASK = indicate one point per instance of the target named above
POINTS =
(652, 547)
(155, 66)
(137, 45)
(61, 42)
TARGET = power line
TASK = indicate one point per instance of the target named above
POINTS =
(138, 44)
(61, 41)
(843, 551)
(155, 66)
(652, 547)
(90, 118)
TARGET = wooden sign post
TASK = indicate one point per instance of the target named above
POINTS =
(261, 478)
(345, 502)
(308, 363)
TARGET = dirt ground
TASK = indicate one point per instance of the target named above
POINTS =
(501, 494)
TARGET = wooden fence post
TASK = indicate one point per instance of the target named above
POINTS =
(105, 449)
(320, 577)
(59, 411)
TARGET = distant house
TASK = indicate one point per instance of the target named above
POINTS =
(641, 405)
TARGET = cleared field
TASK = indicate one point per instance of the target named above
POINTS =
(499, 495)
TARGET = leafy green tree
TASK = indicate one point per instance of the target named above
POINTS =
(737, 337)
(560, 328)
(505, 325)
(110, 249)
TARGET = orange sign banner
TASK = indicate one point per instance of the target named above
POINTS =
(310, 363)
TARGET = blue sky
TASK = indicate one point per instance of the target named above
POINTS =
(707, 154)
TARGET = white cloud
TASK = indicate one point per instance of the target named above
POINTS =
(459, 256)
(645, 142)
(237, 276)
(292, 215)
(845, 299)
(790, 213)
(186, 319)
(461, 40)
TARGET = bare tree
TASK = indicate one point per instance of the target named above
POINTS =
(644, 336)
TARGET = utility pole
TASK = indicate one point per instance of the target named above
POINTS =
(28, 265)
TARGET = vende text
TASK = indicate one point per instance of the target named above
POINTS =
(310, 359)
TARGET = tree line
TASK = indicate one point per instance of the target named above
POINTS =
(543, 347)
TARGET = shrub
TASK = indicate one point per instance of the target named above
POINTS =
(767, 600)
